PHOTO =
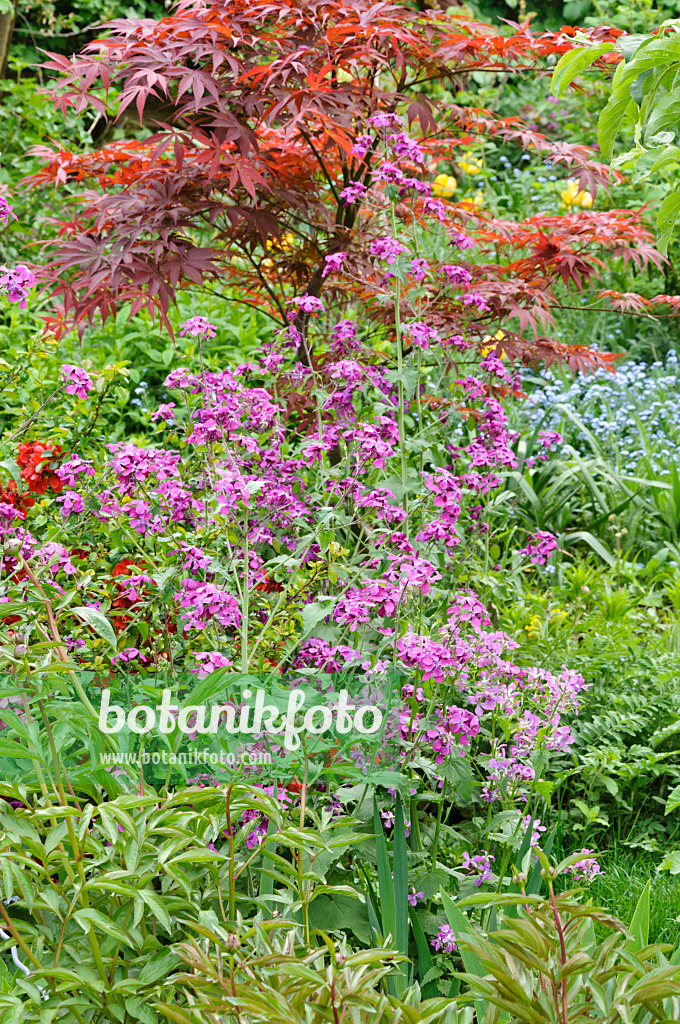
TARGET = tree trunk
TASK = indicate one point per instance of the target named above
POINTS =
(7, 19)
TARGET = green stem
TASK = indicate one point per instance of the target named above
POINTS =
(439, 825)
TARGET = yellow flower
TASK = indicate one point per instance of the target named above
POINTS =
(573, 196)
(444, 186)
(534, 627)
(498, 336)
(478, 199)
(470, 164)
(283, 244)
(559, 615)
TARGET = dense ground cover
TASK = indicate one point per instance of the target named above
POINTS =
(340, 511)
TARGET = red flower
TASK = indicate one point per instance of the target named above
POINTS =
(35, 458)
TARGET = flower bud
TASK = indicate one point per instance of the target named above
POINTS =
(12, 546)
(20, 650)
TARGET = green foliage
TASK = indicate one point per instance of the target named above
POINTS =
(546, 965)
(644, 94)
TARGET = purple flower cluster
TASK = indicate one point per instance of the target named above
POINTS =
(6, 211)
(387, 249)
(333, 263)
(17, 283)
(584, 870)
(198, 326)
(445, 940)
(539, 547)
(479, 866)
(207, 602)
(78, 382)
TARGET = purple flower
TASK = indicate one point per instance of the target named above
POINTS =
(537, 829)
(69, 471)
(419, 268)
(354, 191)
(414, 896)
(6, 211)
(539, 548)
(387, 249)
(421, 335)
(78, 382)
(475, 299)
(361, 146)
(403, 146)
(445, 940)
(492, 364)
(71, 503)
(459, 276)
(306, 304)
(344, 337)
(196, 326)
(129, 654)
(548, 439)
(333, 262)
(436, 208)
(479, 866)
(210, 662)
(462, 241)
(18, 283)
(384, 120)
(585, 869)
(163, 412)
(207, 602)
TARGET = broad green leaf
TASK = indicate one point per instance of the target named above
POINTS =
(665, 114)
(99, 623)
(673, 799)
(155, 904)
(573, 63)
(668, 213)
(612, 115)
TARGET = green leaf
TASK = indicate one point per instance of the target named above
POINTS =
(313, 613)
(665, 220)
(612, 115)
(665, 114)
(341, 912)
(156, 906)
(401, 904)
(88, 917)
(573, 63)
(639, 925)
(429, 988)
(160, 964)
(597, 545)
(99, 623)
(385, 883)
(673, 801)
(462, 929)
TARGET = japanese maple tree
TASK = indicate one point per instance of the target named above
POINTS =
(262, 158)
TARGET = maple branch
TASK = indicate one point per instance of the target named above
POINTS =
(321, 164)
(244, 302)
(618, 312)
